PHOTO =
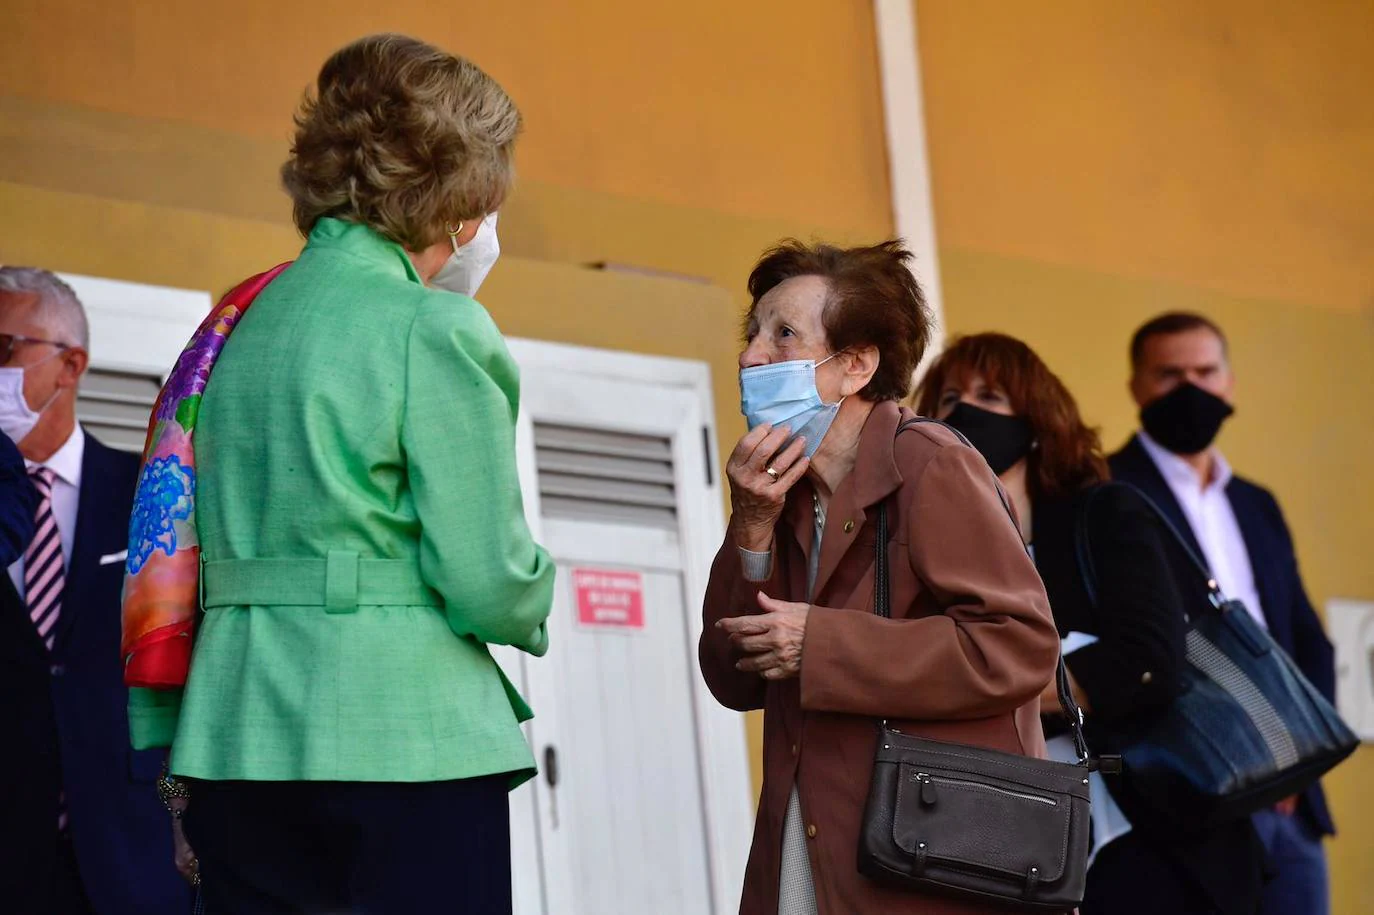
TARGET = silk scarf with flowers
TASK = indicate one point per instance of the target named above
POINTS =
(162, 574)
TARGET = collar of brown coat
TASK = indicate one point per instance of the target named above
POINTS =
(875, 477)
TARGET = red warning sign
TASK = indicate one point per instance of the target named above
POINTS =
(609, 599)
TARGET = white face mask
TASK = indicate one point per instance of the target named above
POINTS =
(17, 418)
(469, 265)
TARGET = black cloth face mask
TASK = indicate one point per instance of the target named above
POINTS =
(1002, 440)
(1185, 420)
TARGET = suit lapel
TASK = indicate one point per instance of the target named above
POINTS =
(1261, 562)
(799, 516)
(844, 520)
(11, 604)
(1146, 477)
(875, 477)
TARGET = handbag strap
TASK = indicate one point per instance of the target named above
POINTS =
(882, 597)
(1082, 544)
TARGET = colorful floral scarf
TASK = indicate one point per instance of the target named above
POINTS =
(162, 577)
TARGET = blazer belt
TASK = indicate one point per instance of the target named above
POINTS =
(340, 583)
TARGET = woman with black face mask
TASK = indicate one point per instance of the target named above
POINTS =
(1124, 653)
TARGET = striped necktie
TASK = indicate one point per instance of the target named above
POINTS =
(44, 575)
(45, 579)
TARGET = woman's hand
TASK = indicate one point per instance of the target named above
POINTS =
(182, 855)
(772, 640)
(756, 494)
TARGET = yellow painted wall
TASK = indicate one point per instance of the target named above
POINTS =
(756, 109)
(1223, 144)
(142, 141)
(1097, 163)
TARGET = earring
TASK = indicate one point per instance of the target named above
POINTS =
(454, 233)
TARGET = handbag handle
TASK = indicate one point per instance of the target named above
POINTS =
(1082, 545)
(882, 600)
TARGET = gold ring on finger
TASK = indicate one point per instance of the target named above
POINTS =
(773, 472)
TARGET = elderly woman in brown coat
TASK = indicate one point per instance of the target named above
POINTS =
(834, 337)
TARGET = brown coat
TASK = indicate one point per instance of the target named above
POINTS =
(964, 657)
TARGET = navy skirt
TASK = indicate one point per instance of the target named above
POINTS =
(359, 847)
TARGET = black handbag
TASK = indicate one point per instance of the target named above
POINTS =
(1246, 730)
(972, 822)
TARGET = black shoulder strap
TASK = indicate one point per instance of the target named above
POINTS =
(882, 598)
(1082, 543)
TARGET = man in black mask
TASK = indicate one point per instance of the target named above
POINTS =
(1181, 379)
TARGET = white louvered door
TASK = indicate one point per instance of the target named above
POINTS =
(643, 804)
(115, 406)
(591, 474)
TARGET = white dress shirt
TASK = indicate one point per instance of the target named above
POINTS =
(1213, 521)
(65, 464)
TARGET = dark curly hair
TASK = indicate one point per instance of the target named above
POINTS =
(402, 137)
(1069, 452)
(873, 300)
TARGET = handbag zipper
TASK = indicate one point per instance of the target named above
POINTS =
(928, 783)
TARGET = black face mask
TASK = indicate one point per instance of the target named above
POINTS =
(1185, 420)
(1002, 440)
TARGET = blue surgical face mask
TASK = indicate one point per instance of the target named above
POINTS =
(784, 394)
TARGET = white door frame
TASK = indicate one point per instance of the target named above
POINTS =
(137, 327)
(724, 758)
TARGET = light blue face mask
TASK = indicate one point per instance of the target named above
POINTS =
(784, 393)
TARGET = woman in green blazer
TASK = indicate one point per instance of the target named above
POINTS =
(347, 739)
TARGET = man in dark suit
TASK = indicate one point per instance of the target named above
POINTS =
(1181, 379)
(82, 830)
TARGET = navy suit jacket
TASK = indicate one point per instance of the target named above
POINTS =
(1293, 622)
(18, 502)
(67, 714)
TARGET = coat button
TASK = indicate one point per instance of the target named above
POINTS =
(811, 831)
(848, 526)
(1146, 677)
(794, 749)
(57, 670)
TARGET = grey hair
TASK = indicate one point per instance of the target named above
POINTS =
(58, 307)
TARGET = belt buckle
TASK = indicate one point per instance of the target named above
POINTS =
(341, 581)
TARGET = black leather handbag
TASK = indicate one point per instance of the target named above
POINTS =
(1247, 728)
(972, 822)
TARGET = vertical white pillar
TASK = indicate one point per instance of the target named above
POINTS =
(904, 116)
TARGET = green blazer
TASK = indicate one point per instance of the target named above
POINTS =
(362, 535)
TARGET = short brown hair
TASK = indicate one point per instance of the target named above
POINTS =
(873, 300)
(1068, 455)
(402, 137)
(1172, 322)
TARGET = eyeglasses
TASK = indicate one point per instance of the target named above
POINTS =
(9, 341)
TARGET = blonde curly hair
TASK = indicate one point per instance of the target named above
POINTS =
(402, 137)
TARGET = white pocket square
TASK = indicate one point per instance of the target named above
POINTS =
(112, 558)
